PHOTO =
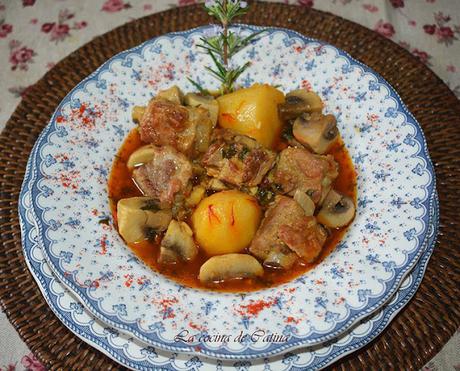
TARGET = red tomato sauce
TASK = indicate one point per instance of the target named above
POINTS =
(121, 185)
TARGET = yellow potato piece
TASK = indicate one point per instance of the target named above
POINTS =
(226, 222)
(253, 112)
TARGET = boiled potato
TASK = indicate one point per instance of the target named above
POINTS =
(253, 112)
(226, 222)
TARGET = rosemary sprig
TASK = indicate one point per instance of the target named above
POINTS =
(223, 46)
(198, 86)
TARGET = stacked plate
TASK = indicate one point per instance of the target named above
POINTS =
(136, 316)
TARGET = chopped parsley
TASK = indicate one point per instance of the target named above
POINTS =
(265, 196)
(229, 151)
(243, 153)
(310, 192)
(286, 134)
(150, 233)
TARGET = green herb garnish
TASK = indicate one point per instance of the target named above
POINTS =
(243, 153)
(265, 196)
(310, 192)
(287, 134)
(150, 234)
(225, 44)
(229, 151)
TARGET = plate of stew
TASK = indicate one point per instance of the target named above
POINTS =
(239, 225)
(137, 355)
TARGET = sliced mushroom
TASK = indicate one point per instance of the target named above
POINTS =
(305, 202)
(168, 256)
(217, 185)
(196, 196)
(199, 118)
(173, 94)
(280, 258)
(208, 102)
(137, 113)
(253, 190)
(177, 244)
(137, 216)
(316, 131)
(337, 210)
(141, 156)
(230, 266)
(298, 102)
(326, 186)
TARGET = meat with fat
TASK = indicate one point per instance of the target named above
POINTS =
(299, 169)
(166, 123)
(237, 159)
(165, 176)
(286, 225)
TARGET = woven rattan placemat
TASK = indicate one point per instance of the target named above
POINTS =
(417, 333)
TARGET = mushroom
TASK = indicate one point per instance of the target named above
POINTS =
(298, 102)
(229, 266)
(337, 210)
(280, 257)
(326, 185)
(137, 113)
(217, 185)
(141, 156)
(199, 116)
(305, 202)
(137, 216)
(173, 94)
(316, 131)
(196, 196)
(208, 102)
(177, 244)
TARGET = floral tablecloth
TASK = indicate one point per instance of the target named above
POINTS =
(36, 34)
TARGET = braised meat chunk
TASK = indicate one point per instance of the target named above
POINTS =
(299, 169)
(286, 229)
(166, 123)
(187, 129)
(166, 175)
(237, 159)
(305, 237)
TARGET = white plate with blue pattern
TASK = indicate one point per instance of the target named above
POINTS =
(74, 153)
(139, 356)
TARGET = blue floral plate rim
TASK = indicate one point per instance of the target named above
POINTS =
(403, 296)
(352, 317)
